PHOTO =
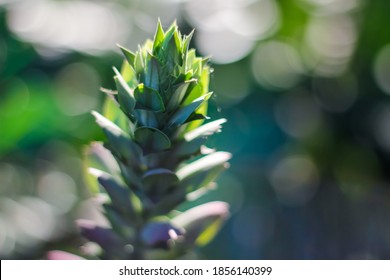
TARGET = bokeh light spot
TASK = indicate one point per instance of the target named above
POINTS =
(295, 180)
(40, 221)
(58, 189)
(277, 65)
(231, 84)
(382, 69)
(325, 7)
(59, 26)
(14, 180)
(330, 42)
(77, 89)
(228, 30)
(298, 114)
(7, 240)
(224, 45)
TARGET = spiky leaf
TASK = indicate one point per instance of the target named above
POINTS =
(119, 142)
(148, 98)
(130, 56)
(158, 38)
(120, 195)
(184, 113)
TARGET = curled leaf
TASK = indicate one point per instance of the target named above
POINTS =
(148, 98)
(158, 181)
(151, 139)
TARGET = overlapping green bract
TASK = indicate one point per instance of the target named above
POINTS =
(153, 157)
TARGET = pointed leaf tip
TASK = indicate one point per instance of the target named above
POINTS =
(205, 130)
(203, 164)
(95, 172)
(158, 37)
(125, 93)
(187, 41)
(106, 124)
(129, 55)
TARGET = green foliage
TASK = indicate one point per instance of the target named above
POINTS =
(152, 157)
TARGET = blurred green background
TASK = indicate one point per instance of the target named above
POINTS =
(305, 87)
